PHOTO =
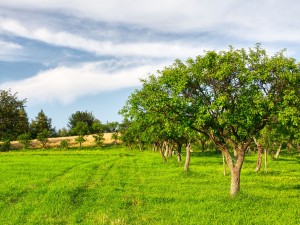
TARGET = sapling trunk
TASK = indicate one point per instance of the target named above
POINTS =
(260, 152)
(188, 157)
(278, 151)
(179, 153)
(266, 159)
(163, 155)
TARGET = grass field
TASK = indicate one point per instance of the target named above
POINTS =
(118, 186)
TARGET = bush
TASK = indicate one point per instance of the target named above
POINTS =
(5, 146)
(80, 139)
(64, 144)
(24, 139)
(43, 137)
(98, 139)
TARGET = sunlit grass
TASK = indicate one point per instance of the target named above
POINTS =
(119, 186)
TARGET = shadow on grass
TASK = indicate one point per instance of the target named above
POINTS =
(283, 187)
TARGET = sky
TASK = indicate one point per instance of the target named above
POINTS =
(66, 56)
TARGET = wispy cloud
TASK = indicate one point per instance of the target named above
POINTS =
(66, 39)
(66, 84)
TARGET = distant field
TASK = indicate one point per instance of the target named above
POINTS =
(55, 142)
(118, 186)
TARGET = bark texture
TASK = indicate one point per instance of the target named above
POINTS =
(278, 151)
(260, 152)
(188, 157)
(224, 164)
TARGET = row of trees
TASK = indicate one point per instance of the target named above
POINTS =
(14, 123)
(229, 98)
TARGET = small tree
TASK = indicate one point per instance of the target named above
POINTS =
(64, 144)
(41, 123)
(115, 137)
(63, 132)
(24, 139)
(98, 129)
(43, 137)
(80, 139)
(5, 145)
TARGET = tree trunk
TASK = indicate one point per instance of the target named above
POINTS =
(188, 157)
(162, 154)
(278, 151)
(235, 182)
(235, 170)
(224, 164)
(260, 152)
(179, 152)
(266, 159)
(203, 145)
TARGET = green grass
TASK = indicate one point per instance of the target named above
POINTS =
(118, 186)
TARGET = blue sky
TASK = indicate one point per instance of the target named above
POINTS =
(65, 56)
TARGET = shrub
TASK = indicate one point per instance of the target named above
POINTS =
(80, 139)
(5, 146)
(98, 139)
(24, 139)
(43, 137)
(64, 144)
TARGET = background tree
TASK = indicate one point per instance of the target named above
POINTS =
(40, 124)
(111, 127)
(13, 117)
(81, 116)
(63, 132)
(98, 130)
(43, 137)
(24, 139)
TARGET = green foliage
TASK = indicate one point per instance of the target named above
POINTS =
(83, 117)
(111, 127)
(114, 186)
(81, 128)
(63, 132)
(98, 139)
(80, 139)
(24, 139)
(5, 145)
(13, 118)
(64, 144)
(40, 124)
(43, 137)
(228, 96)
(115, 137)
(98, 130)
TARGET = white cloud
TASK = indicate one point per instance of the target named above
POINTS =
(10, 50)
(67, 84)
(260, 16)
(7, 45)
(65, 39)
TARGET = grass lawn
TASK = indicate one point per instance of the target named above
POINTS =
(119, 186)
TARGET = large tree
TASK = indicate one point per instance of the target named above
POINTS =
(81, 116)
(228, 96)
(13, 117)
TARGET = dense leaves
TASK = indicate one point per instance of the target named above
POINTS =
(13, 118)
(228, 96)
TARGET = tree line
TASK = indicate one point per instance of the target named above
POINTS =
(15, 125)
(231, 98)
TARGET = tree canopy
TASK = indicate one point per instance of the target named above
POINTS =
(13, 117)
(228, 96)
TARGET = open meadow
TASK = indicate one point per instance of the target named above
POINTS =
(114, 185)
